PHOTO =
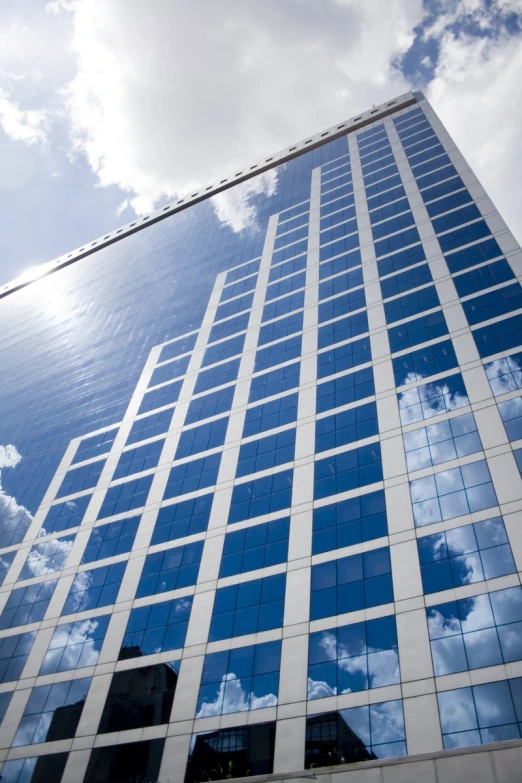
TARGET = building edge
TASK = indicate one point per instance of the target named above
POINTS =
(295, 150)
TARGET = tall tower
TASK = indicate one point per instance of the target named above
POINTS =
(261, 505)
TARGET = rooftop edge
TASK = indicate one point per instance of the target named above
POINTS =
(300, 148)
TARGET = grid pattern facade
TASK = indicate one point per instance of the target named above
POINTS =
(305, 529)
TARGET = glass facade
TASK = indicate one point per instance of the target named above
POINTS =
(260, 491)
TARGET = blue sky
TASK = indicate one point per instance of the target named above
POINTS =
(106, 114)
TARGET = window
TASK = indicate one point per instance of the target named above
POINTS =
(341, 216)
(138, 760)
(483, 277)
(246, 678)
(255, 547)
(182, 519)
(493, 304)
(274, 382)
(465, 555)
(285, 286)
(227, 328)
(91, 589)
(346, 389)
(388, 171)
(241, 287)
(217, 376)
(248, 607)
(441, 442)
(150, 426)
(392, 225)
(278, 353)
(339, 230)
(80, 479)
(476, 254)
(289, 251)
(210, 405)
(339, 283)
(125, 497)
(401, 260)
(476, 632)
(396, 242)
(353, 658)
(451, 202)
(46, 558)
(343, 329)
(405, 281)
(14, 651)
(75, 645)
(246, 750)
(452, 493)
(115, 538)
(63, 516)
(139, 459)
(345, 200)
(343, 357)
(338, 247)
(234, 306)
(440, 170)
(346, 427)
(386, 198)
(505, 374)
(202, 438)
(170, 569)
(411, 304)
(221, 351)
(349, 522)
(283, 306)
(167, 372)
(165, 395)
(156, 628)
(242, 271)
(53, 712)
(389, 210)
(261, 496)
(355, 734)
(31, 770)
(270, 415)
(6, 561)
(339, 264)
(437, 191)
(420, 330)
(500, 336)
(281, 328)
(440, 164)
(27, 604)
(349, 470)
(178, 347)
(140, 697)
(463, 236)
(424, 362)
(340, 305)
(431, 399)
(511, 413)
(266, 453)
(455, 218)
(351, 583)
(193, 475)
(94, 446)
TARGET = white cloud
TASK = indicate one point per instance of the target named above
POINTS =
(165, 100)
(477, 92)
(232, 697)
(9, 456)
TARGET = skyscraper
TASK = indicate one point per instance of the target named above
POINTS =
(260, 505)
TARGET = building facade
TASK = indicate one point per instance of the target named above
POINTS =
(260, 501)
